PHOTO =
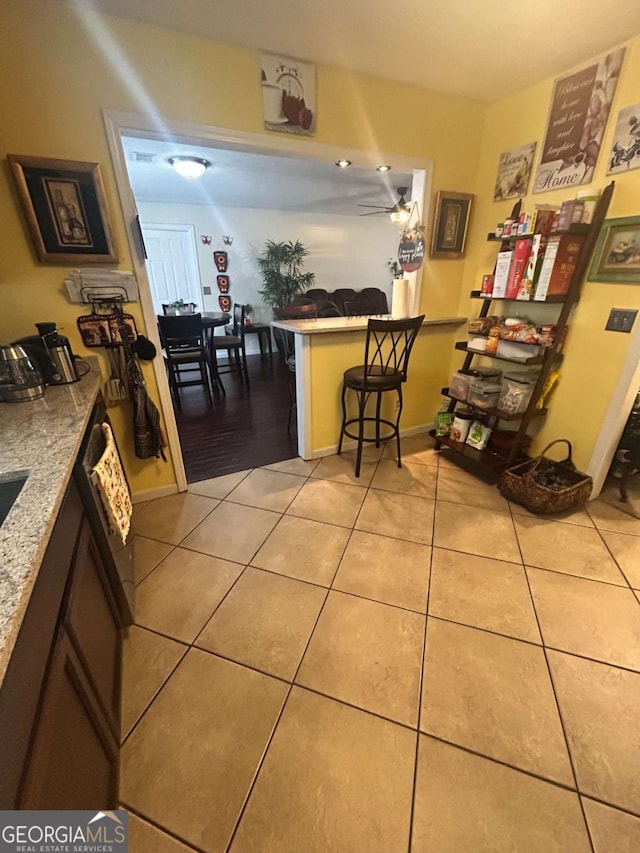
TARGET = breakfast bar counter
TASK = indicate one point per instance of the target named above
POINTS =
(326, 347)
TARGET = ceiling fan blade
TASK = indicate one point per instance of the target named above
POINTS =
(373, 213)
(378, 206)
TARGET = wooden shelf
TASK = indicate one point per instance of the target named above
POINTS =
(535, 359)
(485, 459)
(504, 416)
(554, 299)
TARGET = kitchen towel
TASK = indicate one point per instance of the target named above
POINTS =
(400, 298)
(113, 485)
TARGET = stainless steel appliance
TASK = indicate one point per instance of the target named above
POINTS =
(20, 377)
(118, 558)
(60, 353)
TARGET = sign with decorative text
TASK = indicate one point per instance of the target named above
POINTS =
(577, 120)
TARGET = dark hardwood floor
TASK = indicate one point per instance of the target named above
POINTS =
(246, 428)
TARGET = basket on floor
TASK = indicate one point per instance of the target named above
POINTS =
(544, 486)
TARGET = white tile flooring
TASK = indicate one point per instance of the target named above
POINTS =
(400, 662)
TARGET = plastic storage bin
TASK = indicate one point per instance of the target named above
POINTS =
(484, 395)
(460, 381)
(515, 393)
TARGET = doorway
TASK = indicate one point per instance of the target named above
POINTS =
(294, 151)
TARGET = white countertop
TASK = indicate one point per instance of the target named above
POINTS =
(323, 325)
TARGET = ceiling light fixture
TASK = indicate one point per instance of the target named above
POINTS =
(399, 217)
(344, 164)
(383, 168)
(189, 167)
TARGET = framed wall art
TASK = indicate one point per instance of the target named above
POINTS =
(288, 94)
(65, 207)
(616, 257)
(450, 224)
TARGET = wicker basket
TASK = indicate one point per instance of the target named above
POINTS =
(519, 483)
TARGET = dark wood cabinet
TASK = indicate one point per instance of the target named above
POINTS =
(60, 700)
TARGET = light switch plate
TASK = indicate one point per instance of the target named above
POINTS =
(206, 290)
(621, 320)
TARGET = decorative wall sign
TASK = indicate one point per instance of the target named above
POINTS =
(625, 151)
(514, 171)
(221, 260)
(288, 94)
(616, 257)
(577, 121)
(223, 283)
(411, 248)
(66, 210)
(450, 224)
(224, 302)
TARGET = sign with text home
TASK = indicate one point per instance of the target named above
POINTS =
(577, 121)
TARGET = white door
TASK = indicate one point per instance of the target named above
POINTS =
(172, 264)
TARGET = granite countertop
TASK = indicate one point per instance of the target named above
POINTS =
(42, 438)
(323, 325)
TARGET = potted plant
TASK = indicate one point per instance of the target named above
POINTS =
(280, 266)
(248, 311)
(181, 307)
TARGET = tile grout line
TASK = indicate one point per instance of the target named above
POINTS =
(422, 667)
(557, 701)
(141, 816)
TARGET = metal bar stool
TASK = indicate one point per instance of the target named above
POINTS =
(386, 360)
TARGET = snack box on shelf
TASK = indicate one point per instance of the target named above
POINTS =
(515, 393)
(517, 351)
(484, 395)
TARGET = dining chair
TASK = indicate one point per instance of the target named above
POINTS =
(183, 342)
(233, 341)
(342, 295)
(285, 343)
(386, 360)
(169, 310)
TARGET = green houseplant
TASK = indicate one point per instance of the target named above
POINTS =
(280, 266)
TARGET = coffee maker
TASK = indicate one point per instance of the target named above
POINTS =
(53, 354)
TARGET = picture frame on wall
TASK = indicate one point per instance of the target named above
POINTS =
(450, 224)
(65, 207)
(616, 258)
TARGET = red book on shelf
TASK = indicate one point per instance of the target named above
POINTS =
(521, 252)
(565, 263)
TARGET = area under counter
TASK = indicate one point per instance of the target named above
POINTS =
(326, 347)
(42, 438)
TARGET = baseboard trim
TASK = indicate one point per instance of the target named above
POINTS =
(152, 494)
(352, 445)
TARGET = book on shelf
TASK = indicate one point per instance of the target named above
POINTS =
(501, 275)
(521, 251)
(532, 270)
(558, 266)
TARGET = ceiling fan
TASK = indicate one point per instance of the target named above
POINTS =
(401, 206)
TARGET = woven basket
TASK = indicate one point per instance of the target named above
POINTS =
(519, 484)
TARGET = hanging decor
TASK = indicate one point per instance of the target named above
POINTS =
(514, 171)
(625, 151)
(223, 283)
(411, 248)
(576, 124)
(221, 260)
(288, 95)
(450, 225)
(225, 303)
(206, 239)
(228, 241)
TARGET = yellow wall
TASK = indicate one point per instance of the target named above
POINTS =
(58, 74)
(593, 357)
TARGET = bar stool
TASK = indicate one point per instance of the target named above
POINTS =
(386, 360)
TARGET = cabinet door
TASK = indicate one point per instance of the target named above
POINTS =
(74, 757)
(92, 621)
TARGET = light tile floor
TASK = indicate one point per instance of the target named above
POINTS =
(404, 662)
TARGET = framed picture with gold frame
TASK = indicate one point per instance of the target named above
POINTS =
(65, 208)
(450, 224)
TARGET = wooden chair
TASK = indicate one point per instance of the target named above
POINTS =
(233, 342)
(189, 308)
(185, 351)
(285, 343)
(342, 295)
(386, 360)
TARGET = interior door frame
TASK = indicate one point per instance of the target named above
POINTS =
(118, 123)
